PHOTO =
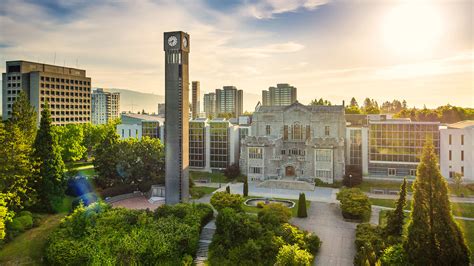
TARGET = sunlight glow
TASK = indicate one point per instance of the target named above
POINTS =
(412, 28)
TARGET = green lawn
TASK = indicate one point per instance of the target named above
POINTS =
(215, 177)
(199, 192)
(395, 185)
(459, 209)
(251, 209)
(27, 248)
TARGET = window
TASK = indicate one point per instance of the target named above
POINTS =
(297, 132)
(255, 170)
(462, 170)
(326, 130)
(451, 174)
(412, 172)
(450, 155)
(283, 152)
(308, 132)
(255, 153)
(267, 130)
(462, 139)
(323, 155)
(450, 139)
(392, 171)
(285, 132)
(462, 155)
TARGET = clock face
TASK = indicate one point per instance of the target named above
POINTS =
(172, 41)
(185, 42)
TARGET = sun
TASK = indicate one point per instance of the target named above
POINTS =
(412, 28)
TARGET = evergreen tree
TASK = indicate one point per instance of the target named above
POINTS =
(434, 238)
(395, 218)
(51, 182)
(302, 213)
(246, 188)
(24, 117)
(354, 103)
(227, 189)
(106, 159)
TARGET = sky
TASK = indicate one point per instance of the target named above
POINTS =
(417, 50)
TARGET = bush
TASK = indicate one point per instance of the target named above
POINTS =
(118, 190)
(353, 176)
(260, 205)
(394, 256)
(302, 213)
(78, 186)
(274, 214)
(313, 243)
(221, 200)
(246, 189)
(369, 243)
(354, 204)
(145, 186)
(232, 171)
(86, 199)
(19, 224)
(292, 255)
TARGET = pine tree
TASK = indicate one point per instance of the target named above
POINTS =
(302, 213)
(395, 218)
(51, 181)
(227, 189)
(246, 188)
(24, 117)
(434, 238)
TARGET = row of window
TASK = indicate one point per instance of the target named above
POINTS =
(13, 85)
(68, 81)
(403, 127)
(451, 155)
(393, 172)
(452, 174)
(451, 139)
(64, 100)
(14, 78)
(255, 153)
(65, 87)
(70, 119)
(255, 170)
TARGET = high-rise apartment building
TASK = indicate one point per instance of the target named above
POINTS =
(66, 90)
(176, 46)
(210, 103)
(105, 106)
(281, 95)
(229, 100)
(196, 99)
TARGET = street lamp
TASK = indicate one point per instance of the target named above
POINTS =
(350, 180)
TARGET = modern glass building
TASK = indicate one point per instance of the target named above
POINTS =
(197, 143)
(355, 147)
(395, 146)
(219, 140)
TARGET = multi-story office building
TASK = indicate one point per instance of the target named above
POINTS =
(281, 95)
(210, 103)
(196, 99)
(105, 106)
(213, 144)
(66, 90)
(229, 100)
(457, 150)
(295, 142)
(161, 109)
(139, 125)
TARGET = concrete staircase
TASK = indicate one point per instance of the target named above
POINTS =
(205, 240)
(287, 184)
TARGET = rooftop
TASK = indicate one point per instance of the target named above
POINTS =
(462, 124)
(145, 117)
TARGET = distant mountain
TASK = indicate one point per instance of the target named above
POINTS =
(137, 101)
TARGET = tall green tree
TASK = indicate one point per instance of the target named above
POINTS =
(302, 212)
(71, 142)
(395, 218)
(51, 181)
(106, 159)
(434, 238)
(24, 117)
(246, 188)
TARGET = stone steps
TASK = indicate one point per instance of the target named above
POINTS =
(287, 184)
(205, 239)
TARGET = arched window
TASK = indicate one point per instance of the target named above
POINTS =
(297, 134)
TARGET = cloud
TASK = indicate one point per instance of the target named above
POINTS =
(266, 9)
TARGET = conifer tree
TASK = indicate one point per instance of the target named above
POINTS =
(51, 181)
(434, 238)
(302, 213)
(24, 117)
(395, 218)
(246, 188)
(227, 189)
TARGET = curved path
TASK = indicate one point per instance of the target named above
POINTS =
(337, 235)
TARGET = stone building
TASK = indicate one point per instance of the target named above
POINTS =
(295, 142)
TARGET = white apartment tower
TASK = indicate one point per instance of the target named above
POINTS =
(105, 106)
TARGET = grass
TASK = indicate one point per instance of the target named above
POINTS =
(215, 177)
(199, 192)
(252, 209)
(28, 247)
(459, 209)
(466, 190)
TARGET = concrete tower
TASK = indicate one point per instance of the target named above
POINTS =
(176, 46)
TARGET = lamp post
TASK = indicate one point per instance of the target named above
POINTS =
(350, 180)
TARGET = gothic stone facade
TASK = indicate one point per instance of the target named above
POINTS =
(295, 142)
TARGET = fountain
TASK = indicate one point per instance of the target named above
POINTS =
(265, 201)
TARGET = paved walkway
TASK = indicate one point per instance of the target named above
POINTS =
(337, 235)
(137, 203)
(205, 239)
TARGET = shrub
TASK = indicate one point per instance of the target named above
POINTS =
(246, 189)
(394, 256)
(260, 205)
(274, 214)
(86, 199)
(19, 224)
(232, 171)
(145, 185)
(353, 176)
(302, 213)
(313, 243)
(369, 243)
(227, 189)
(78, 186)
(118, 190)
(292, 255)
(222, 200)
(354, 204)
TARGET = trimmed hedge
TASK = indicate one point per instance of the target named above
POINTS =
(355, 204)
(118, 190)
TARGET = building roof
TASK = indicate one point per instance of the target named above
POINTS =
(309, 108)
(462, 124)
(144, 117)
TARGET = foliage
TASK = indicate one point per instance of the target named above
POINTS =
(302, 212)
(433, 238)
(354, 203)
(227, 189)
(274, 214)
(51, 182)
(353, 176)
(321, 101)
(245, 191)
(24, 117)
(77, 186)
(221, 200)
(444, 114)
(19, 224)
(395, 218)
(70, 140)
(394, 256)
(99, 235)
(118, 189)
(86, 199)
(232, 171)
(371, 106)
(369, 244)
(293, 255)
(223, 115)
(4, 217)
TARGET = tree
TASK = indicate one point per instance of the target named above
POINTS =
(353, 176)
(246, 188)
(227, 189)
(354, 103)
(24, 117)
(106, 159)
(434, 238)
(302, 213)
(221, 200)
(458, 179)
(51, 182)
(321, 101)
(353, 110)
(232, 171)
(293, 255)
(395, 218)
(71, 142)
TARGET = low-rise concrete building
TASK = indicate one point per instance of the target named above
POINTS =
(457, 150)
(139, 125)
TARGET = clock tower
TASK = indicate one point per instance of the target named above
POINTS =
(176, 46)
